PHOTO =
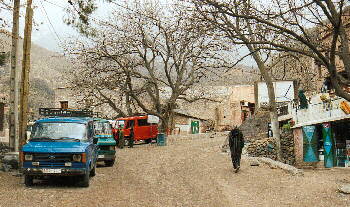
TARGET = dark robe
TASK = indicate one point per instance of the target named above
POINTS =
(236, 143)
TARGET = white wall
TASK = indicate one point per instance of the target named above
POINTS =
(284, 91)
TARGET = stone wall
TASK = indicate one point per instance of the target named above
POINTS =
(267, 148)
(256, 127)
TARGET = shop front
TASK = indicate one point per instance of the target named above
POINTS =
(322, 132)
(328, 143)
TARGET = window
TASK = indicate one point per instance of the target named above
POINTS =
(103, 128)
(59, 130)
(64, 104)
(143, 122)
(120, 124)
(130, 123)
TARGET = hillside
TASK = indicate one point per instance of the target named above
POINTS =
(46, 74)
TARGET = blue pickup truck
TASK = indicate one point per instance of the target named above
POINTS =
(60, 146)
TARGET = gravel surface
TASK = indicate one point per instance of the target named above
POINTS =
(190, 171)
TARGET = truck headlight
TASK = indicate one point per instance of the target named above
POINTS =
(111, 147)
(28, 157)
(77, 158)
(35, 163)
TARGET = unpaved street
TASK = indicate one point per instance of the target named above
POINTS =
(187, 172)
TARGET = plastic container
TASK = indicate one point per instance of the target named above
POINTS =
(161, 139)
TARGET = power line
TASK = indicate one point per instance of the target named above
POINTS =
(48, 19)
(55, 4)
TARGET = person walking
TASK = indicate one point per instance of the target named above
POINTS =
(236, 144)
(131, 137)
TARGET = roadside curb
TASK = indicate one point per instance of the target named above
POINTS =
(275, 164)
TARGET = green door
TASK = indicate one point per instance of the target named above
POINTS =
(310, 142)
(195, 127)
(328, 145)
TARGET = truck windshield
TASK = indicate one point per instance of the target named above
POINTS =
(103, 128)
(120, 124)
(59, 131)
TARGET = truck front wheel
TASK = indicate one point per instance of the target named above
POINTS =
(85, 180)
(93, 172)
(109, 163)
(28, 180)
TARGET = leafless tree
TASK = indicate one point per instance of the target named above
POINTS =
(154, 54)
(79, 14)
(5, 5)
(314, 28)
(240, 31)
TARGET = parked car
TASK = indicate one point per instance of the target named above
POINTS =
(60, 146)
(105, 141)
(145, 127)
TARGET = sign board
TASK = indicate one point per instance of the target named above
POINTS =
(152, 119)
(284, 92)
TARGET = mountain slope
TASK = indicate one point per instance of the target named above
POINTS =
(46, 73)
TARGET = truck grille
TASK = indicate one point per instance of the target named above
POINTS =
(51, 164)
(52, 158)
(103, 147)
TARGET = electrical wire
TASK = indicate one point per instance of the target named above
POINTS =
(48, 19)
(62, 7)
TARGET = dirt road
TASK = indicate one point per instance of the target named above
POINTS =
(187, 172)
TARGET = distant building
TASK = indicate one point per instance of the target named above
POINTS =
(184, 123)
(64, 98)
(230, 106)
(234, 110)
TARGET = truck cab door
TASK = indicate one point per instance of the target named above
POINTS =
(93, 148)
(144, 129)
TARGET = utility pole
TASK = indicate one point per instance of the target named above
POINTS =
(27, 43)
(13, 132)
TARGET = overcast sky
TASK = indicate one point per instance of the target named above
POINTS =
(50, 31)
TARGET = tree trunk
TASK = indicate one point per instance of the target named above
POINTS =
(163, 125)
(272, 103)
(13, 132)
(24, 107)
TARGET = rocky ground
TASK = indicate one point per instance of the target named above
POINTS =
(190, 171)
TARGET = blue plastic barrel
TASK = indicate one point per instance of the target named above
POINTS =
(161, 139)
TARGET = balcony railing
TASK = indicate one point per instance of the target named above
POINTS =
(319, 111)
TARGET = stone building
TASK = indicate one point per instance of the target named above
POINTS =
(230, 106)
(184, 123)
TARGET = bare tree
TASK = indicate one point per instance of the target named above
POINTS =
(293, 66)
(242, 31)
(313, 28)
(79, 14)
(5, 5)
(156, 53)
